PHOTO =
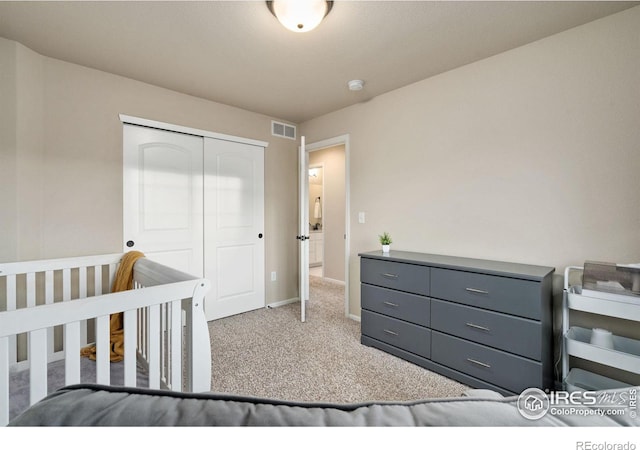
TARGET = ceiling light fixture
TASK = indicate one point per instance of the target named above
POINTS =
(300, 15)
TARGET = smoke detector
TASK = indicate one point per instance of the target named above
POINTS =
(356, 85)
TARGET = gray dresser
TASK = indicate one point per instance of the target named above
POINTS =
(487, 324)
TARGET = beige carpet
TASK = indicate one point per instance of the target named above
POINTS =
(270, 353)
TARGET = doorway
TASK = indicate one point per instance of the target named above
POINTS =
(328, 206)
(316, 231)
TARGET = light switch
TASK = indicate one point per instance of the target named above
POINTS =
(361, 217)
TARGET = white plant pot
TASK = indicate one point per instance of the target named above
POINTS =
(385, 248)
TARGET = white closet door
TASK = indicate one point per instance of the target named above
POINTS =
(163, 197)
(234, 227)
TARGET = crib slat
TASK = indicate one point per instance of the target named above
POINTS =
(48, 299)
(72, 353)
(103, 374)
(37, 365)
(97, 286)
(143, 321)
(66, 284)
(31, 290)
(112, 275)
(164, 343)
(11, 292)
(97, 279)
(82, 293)
(4, 381)
(48, 287)
(11, 306)
(154, 346)
(175, 353)
(130, 333)
(82, 282)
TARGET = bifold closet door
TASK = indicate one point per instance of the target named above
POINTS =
(233, 227)
(163, 196)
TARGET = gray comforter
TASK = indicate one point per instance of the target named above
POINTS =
(96, 405)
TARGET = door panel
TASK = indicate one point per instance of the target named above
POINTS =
(234, 225)
(235, 189)
(165, 180)
(162, 197)
(232, 270)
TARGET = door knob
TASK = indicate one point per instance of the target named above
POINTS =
(130, 243)
(260, 235)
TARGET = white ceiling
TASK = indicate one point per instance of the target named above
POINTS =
(235, 52)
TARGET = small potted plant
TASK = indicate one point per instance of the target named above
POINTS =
(385, 240)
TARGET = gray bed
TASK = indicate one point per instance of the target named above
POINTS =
(97, 405)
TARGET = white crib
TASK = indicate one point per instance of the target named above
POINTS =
(50, 309)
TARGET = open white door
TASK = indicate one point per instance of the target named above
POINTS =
(303, 235)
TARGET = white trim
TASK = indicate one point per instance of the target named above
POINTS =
(332, 142)
(282, 302)
(187, 130)
(331, 280)
(354, 317)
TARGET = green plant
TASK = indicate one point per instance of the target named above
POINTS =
(385, 238)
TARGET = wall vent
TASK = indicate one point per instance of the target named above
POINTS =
(283, 130)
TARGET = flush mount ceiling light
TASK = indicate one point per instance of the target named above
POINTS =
(300, 15)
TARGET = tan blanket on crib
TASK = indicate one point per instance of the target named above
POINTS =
(123, 281)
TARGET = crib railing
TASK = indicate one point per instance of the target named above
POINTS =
(164, 325)
(175, 339)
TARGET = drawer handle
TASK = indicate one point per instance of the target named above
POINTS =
(393, 333)
(479, 363)
(477, 291)
(479, 327)
(389, 275)
(391, 304)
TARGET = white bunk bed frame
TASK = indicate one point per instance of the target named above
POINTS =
(165, 330)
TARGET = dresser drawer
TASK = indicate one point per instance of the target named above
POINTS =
(509, 333)
(407, 336)
(401, 305)
(502, 294)
(512, 372)
(395, 275)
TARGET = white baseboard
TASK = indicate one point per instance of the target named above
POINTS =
(331, 280)
(283, 302)
(297, 299)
